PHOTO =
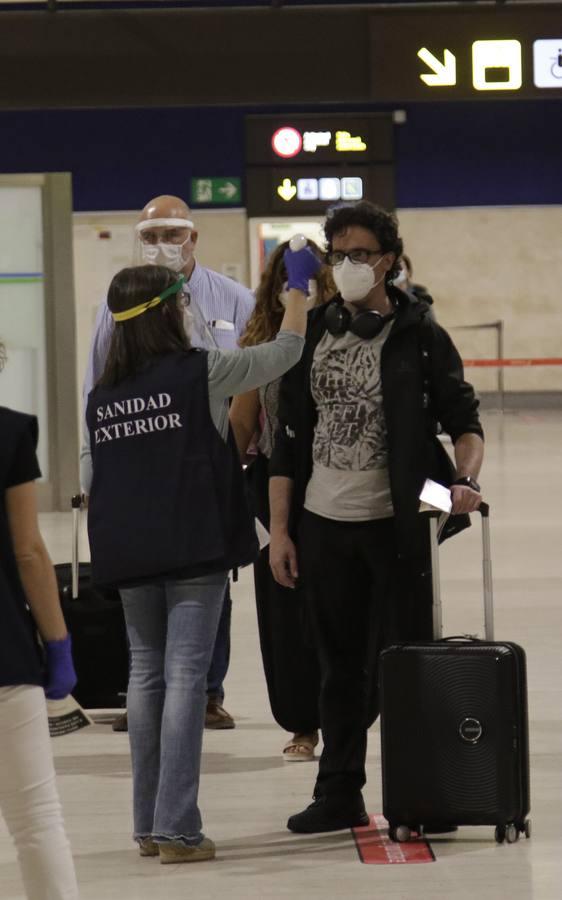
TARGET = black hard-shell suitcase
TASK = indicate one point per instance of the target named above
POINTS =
(95, 621)
(454, 726)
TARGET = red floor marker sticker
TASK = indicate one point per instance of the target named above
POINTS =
(376, 849)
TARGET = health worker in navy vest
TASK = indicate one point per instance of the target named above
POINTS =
(217, 310)
(29, 603)
(355, 443)
(168, 518)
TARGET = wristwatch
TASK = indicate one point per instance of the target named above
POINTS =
(467, 481)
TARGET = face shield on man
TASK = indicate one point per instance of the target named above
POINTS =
(168, 242)
(164, 242)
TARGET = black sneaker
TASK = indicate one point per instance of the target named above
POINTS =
(329, 814)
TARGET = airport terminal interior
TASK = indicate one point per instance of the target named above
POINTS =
(248, 790)
(264, 117)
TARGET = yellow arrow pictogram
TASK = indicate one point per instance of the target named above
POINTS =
(287, 190)
(444, 73)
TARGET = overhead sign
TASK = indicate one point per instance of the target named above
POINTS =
(460, 54)
(288, 142)
(318, 138)
(303, 163)
(216, 191)
(310, 190)
(327, 189)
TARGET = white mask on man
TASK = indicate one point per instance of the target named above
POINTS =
(169, 255)
(355, 280)
(159, 253)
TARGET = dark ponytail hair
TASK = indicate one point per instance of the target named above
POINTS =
(157, 331)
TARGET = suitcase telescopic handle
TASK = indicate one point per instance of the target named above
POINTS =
(76, 504)
(484, 510)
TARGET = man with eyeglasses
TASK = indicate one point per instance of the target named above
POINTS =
(356, 442)
(216, 312)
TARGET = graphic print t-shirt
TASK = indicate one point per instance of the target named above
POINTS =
(349, 481)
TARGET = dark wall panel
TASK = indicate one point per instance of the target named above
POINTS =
(473, 154)
(455, 155)
(121, 157)
(180, 57)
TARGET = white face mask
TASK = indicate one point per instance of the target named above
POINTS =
(169, 255)
(311, 298)
(355, 280)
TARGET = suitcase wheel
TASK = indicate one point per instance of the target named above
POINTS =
(500, 834)
(509, 833)
(527, 829)
(400, 834)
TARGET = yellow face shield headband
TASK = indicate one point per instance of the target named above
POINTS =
(135, 311)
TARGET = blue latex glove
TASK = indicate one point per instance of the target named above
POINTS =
(61, 677)
(301, 267)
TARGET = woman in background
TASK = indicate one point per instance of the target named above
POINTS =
(289, 663)
(29, 602)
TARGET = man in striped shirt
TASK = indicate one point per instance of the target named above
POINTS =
(217, 310)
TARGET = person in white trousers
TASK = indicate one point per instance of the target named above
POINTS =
(28, 796)
(29, 604)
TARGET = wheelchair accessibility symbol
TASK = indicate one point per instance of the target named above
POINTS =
(547, 63)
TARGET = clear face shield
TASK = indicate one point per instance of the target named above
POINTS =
(163, 242)
(167, 242)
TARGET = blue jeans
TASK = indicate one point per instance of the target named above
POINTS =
(172, 629)
(221, 652)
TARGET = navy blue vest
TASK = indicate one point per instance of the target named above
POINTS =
(168, 497)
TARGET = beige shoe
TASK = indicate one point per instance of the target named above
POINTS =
(148, 847)
(301, 747)
(179, 853)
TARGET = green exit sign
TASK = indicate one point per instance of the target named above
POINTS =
(216, 191)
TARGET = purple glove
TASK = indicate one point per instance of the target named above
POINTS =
(301, 267)
(61, 677)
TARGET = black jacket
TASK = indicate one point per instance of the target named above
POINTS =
(415, 453)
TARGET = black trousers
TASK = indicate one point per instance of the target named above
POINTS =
(361, 597)
(288, 654)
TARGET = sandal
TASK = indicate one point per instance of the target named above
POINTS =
(301, 747)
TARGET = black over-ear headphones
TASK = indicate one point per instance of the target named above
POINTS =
(366, 324)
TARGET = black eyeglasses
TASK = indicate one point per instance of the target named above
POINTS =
(357, 256)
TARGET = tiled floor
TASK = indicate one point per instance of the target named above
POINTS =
(248, 791)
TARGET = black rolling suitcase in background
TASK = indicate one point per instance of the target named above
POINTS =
(454, 726)
(95, 621)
